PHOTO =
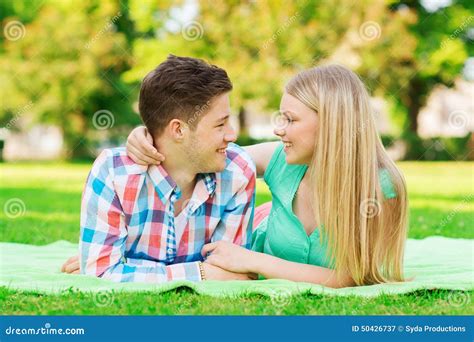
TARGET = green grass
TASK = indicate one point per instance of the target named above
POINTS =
(441, 203)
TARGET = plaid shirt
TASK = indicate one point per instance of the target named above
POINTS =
(129, 232)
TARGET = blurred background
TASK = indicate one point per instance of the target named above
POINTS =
(71, 70)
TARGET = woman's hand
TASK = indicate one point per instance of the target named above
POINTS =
(212, 272)
(140, 147)
(229, 256)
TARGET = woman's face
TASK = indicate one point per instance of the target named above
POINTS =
(297, 128)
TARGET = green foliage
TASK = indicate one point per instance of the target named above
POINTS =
(246, 140)
(387, 140)
(23, 10)
(433, 49)
(66, 67)
(438, 148)
(77, 58)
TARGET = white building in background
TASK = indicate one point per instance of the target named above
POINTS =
(449, 111)
(41, 142)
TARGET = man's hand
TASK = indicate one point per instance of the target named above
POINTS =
(71, 265)
(212, 272)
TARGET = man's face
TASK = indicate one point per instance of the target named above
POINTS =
(207, 144)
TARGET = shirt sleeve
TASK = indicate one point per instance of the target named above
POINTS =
(236, 221)
(104, 234)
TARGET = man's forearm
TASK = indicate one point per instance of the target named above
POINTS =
(138, 270)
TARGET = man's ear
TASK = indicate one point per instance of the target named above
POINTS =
(177, 129)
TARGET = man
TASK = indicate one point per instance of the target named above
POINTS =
(149, 224)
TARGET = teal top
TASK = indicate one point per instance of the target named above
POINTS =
(281, 234)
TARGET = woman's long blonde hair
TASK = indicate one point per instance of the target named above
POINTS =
(365, 233)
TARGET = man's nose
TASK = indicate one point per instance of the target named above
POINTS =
(230, 135)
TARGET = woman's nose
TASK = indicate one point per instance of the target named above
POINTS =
(279, 131)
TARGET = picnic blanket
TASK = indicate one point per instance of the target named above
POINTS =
(435, 263)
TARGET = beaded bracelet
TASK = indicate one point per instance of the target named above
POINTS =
(201, 271)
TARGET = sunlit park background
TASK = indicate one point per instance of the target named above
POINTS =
(70, 74)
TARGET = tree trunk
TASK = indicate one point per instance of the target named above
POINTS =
(470, 148)
(415, 100)
(243, 122)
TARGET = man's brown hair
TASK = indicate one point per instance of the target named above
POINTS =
(180, 88)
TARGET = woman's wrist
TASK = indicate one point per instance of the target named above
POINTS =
(255, 262)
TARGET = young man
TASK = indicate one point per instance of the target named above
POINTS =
(149, 224)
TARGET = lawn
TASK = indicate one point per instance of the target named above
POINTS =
(441, 203)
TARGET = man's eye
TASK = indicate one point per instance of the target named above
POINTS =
(221, 125)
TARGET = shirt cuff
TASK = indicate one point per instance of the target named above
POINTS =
(185, 271)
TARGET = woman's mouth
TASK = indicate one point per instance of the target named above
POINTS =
(287, 144)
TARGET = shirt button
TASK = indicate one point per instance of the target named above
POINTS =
(170, 250)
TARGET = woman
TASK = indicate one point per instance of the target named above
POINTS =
(339, 208)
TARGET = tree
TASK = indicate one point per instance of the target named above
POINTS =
(261, 44)
(432, 52)
(67, 66)
(264, 43)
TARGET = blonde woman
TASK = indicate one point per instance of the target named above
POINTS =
(339, 206)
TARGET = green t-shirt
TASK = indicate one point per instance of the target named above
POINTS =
(281, 234)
